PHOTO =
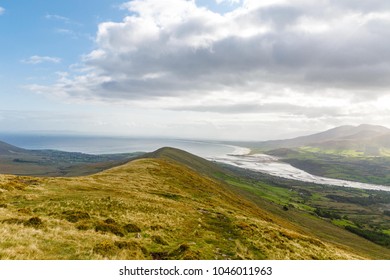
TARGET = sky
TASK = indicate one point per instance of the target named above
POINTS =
(217, 69)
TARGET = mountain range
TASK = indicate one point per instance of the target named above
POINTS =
(368, 140)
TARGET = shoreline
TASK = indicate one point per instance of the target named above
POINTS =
(272, 166)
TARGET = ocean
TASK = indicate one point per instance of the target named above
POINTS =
(111, 145)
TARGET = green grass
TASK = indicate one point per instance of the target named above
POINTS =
(343, 223)
(340, 152)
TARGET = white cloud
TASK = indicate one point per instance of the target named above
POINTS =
(57, 17)
(2, 10)
(35, 59)
(228, 1)
(175, 55)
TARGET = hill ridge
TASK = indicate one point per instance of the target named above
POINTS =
(149, 208)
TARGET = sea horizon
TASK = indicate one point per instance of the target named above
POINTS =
(109, 144)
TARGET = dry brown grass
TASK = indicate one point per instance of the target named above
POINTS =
(179, 215)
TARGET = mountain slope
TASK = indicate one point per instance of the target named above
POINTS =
(152, 208)
(7, 149)
(365, 138)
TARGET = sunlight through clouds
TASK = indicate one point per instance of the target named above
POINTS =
(287, 57)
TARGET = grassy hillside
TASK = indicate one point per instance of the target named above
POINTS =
(146, 209)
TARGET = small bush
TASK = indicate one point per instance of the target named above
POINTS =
(131, 228)
(75, 216)
(160, 255)
(327, 214)
(112, 228)
(110, 221)
(34, 222)
(105, 248)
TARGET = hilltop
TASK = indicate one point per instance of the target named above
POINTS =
(150, 208)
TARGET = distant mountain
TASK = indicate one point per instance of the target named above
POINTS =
(18, 161)
(7, 149)
(367, 139)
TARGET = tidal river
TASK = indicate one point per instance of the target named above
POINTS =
(271, 165)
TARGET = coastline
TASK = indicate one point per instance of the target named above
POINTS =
(270, 165)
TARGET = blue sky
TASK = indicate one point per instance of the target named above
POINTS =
(59, 29)
(193, 69)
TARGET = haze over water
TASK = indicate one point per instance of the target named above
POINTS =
(110, 145)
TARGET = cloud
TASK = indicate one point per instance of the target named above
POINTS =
(58, 17)
(35, 59)
(2, 10)
(228, 1)
(176, 52)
